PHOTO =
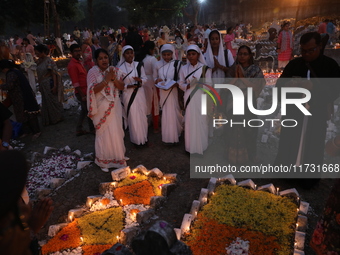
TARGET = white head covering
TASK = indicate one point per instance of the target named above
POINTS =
(209, 57)
(122, 59)
(198, 50)
(168, 47)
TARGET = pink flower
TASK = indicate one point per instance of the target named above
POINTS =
(64, 237)
(132, 177)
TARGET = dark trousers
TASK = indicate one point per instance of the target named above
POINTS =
(83, 115)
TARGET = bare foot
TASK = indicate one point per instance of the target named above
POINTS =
(40, 214)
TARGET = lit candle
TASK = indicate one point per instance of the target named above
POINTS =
(277, 191)
(113, 184)
(164, 178)
(255, 186)
(81, 239)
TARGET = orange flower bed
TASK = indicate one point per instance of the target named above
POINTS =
(138, 193)
(67, 238)
(211, 237)
(95, 249)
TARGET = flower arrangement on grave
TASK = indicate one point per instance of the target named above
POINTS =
(264, 220)
(100, 227)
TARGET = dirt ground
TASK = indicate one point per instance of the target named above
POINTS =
(169, 159)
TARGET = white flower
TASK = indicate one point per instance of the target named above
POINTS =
(238, 247)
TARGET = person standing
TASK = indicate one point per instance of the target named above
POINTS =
(51, 90)
(323, 27)
(77, 34)
(87, 54)
(207, 31)
(27, 47)
(134, 39)
(242, 140)
(167, 70)
(105, 110)
(285, 45)
(151, 92)
(304, 144)
(22, 98)
(230, 37)
(195, 124)
(31, 38)
(134, 96)
(78, 76)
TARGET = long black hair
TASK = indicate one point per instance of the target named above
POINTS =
(145, 50)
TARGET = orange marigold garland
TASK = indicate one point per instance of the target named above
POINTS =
(211, 237)
(67, 238)
(138, 193)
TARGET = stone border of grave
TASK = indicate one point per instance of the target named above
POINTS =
(70, 173)
(206, 193)
(126, 234)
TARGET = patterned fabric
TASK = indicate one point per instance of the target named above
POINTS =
(286, 52)
(105, 110)
(88, 62)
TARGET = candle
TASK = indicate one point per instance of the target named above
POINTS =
(81, 239)
(113, 184)
(277, 191)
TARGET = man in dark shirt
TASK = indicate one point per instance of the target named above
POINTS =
(78, 77)
(5, 127)
(311, 69)
(134, 39)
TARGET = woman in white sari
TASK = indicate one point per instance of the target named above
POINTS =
(165, 71)
(134, 96)
(196, 124)
(105, 110)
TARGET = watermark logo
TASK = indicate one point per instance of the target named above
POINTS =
(239, 103)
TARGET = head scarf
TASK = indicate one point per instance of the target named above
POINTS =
(198, 50)
(168, 47)
(122, 59)
(209, 57)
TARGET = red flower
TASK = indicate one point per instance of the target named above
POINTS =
(132, 177)
(317, 237)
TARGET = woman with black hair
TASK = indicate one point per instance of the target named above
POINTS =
(22, 97)
(105, 110)
(241, 142)
(49, 86)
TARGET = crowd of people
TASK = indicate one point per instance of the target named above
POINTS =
(127, 80)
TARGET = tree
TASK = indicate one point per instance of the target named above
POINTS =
(195, 6)
(32, 12)
(151, 11)
(90, 12)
